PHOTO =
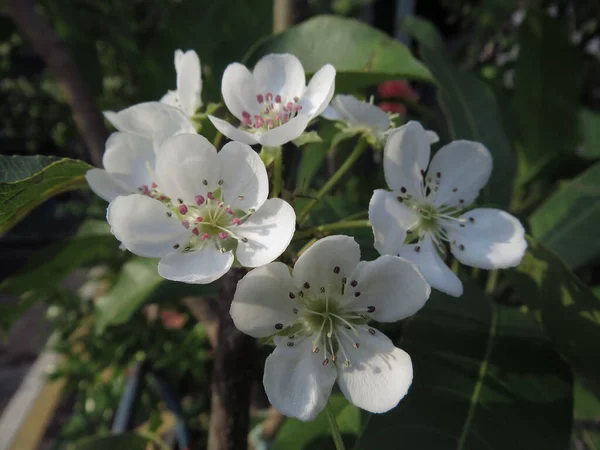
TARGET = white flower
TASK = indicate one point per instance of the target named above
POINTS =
(130, 153)
(320, 314)
(361, 117)
(424, 210)
(203, 207)
(187, 97)
(273, 103)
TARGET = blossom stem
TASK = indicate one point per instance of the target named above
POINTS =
(335, 429)
(277, 173)
(324, 229)
(361, 146)
(217, 140)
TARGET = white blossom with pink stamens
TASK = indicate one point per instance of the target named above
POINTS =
(273, 103)
(204, 210)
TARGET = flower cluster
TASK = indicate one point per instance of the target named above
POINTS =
(200, 209)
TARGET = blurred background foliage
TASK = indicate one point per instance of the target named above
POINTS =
(522, 77)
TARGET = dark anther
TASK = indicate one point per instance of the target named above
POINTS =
(461, 201)
(353, 283)
(357, 294)
(279, 326)
(403, 190)
(180, 201)
(220, 182)
(439, 174)
(462, 225)
(422, 173)
(205, 183)
(400, 199)
(454, 189)
(325, 361)
(356, 345)
(295, 311)
(462, 247)
(176, 246)
(471, 219)
(418, 248)
(306, 285)
(169, 213)
(301, 294)
(371, 309)
(372, 331)
(292, 296)
(336, 269)
(290, 344)
(245, 240)
(322, 289)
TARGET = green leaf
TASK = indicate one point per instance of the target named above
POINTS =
(470, 108)
(586, 415)
(545, 105)
(565, 307)
(125, 441)
(315, 435)
(28, 181)
(361, 55)
(590, 131)
(485, 377)
(139, 283)
(567, 222)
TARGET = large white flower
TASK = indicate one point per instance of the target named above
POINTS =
(203, 208)
(320, 315)
(187, 96)
(129, 156)
(273, 103)
(359, 116)
(425, 210)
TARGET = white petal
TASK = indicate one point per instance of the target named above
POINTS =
(201, 266)
(465, 167)
(280, 74)
(394, 286)
(325, 263)
(239, 91)
(169, 122)
(130, 160)
(433, 137)
(233, 133)
(361, 113)
(330, 113)
(269, 232)
(379, 376)
(296, 381)
(183, 163)
(284, 133)
(144, 119)
(262, 300)
(103, 185)
(389, 219)
(178, 58)
(319, 91)
(493, 239)
(405, 157)
(243, 173)
(170, 98)
(189, 82)
(142, 225)
(431, 266)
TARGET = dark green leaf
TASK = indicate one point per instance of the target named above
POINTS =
(567, 310)
(590, 131)
(586, 415)
(315, 435)
(28, 181)
(470, 107)
(139, 283)
(361, 55)
(545, 104)
(485, 377)
(126, 441)
(567, 223)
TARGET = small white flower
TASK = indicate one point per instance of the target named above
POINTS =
(273, 103)
(187, 97)
(360, 117)
(203, 207)
(129, 156)
(424, 210)
(320, 315)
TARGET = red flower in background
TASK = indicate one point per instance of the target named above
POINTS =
(393, 107)
(172, 320)
(397, 89)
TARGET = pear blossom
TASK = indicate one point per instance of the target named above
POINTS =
(427, 210)
(129, 156)
(187, 96)
(203, 210)
(273, 103)
(319, 317)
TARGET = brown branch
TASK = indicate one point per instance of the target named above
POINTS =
(233, 374)
(58, 60)
(205, 312)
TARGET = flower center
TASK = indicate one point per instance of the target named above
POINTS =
(209, 219)
(328, 322)
(275, 111)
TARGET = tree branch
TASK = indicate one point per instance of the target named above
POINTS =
(59, 62)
